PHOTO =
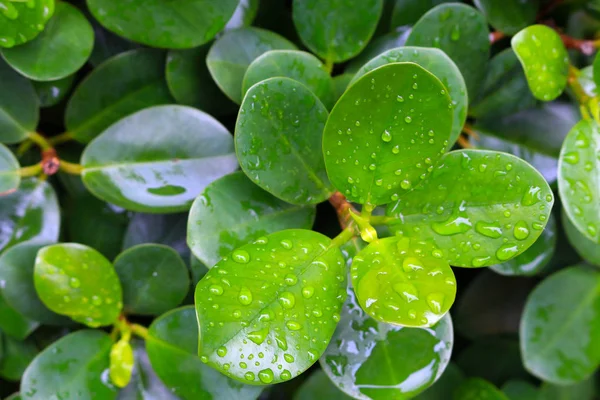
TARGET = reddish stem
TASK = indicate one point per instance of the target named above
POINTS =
(342, 208)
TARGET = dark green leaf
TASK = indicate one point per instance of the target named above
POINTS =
(520, 390)
(376, 47)
(20, 22)
(15, 396)
(596, 69)
(340, 84)
(407, 12)
(586, 248)
(19, 115)
(318, 386)
(17, 356)
(157, 23)
(244, 14)
(75, 280)
(451, 379)
(378, 147)
(50, 93)
(73, 367)
(478, 389)
(197, 270)
(509, 16)
(278, 140)
(10, 178)
(59, 51)
(186, 149)
(14, 324)
(584, 390)
(167, 229)
(106, 43)
(273, 292)
(120, 86)
(479, 208)
(233, 211)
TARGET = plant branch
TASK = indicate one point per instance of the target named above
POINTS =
(70, 168)
(32, 170)
(344, 236)
(575, 85)
(496, 36)
(342, 208)
(39, 140)
(139, 330)
(59, 139)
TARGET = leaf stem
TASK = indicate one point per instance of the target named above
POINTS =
(59, 139)
(139, 330)
(40, 141)
(70, 168)
(24, 146)
(32, 170)
(345, 236)
(328, 66)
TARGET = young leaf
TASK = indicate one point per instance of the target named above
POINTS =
(17, 356)
(561, 318)
(273, 292)
(586, 248)
(19, 115)
(154, 279)
(579, 178)
(382, 139)
(72, 367)
(278, 136)
(121, 363)
(10, 178)
(50, 93)
(157, 23)
(509, 16)
(172, 347)
(319, 386)
(14, 324)
(59, 51)
(21, 22)
(479, 208)
(478, 389)
(75, 280)
(233, 211)
(122, 85)
(297, 65)
(334, 29)
(461, 32)
(185, 149)
(232, 53)
(440, 65)
(167, 229)
(544, 59)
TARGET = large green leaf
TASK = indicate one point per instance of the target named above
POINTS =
(172, 347)
(156, 23)
(560, 325)
(318, 385)
(382, 139)
(376, 47)
(184, 150)
(440, 65)
(278, 136)
(30, 213)
(545, 60)
(22, 21)
(59, 51)
(462, 33)
(579, 178)
(478, 389)
(72, 367)
(232, 53)
(450, 380)
(167, 229)
(584, 390)
(509, 16)
(19, 115)
(407, 12)
(120, 86)
(233, 211)
(13, 323)
(154, 279)
(17, 356)
(586, 248)
(75, 280)
(50, 93)
(479, 208)
(283, 293)
(107, 44)
(336, 30)
(10, 178)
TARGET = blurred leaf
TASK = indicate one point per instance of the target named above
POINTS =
(478, 389)
(19, 115)
(10, 176)
(520, 390)
(509, 16)
(243, 15)
(584, 390)
(447, 384)
(17, 356)
(50, 93)
(318, 386)
(407, 12)
(167, 229)
(586, 248)
(14, 324)
(389, 41)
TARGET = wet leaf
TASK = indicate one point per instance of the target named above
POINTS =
(14, 324)
(274, 293)
(510, 16)
(479, 208)
(9, 171)
(586, 248)
(19, 115)
(380, 140)
(121, 363)
(21, 22)
(478, 389)
(318, 385)
(50, 93)
(17, 356)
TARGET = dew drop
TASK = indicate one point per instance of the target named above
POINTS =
(74, 283)
(435, 301)
(405, 184)
(259, 336)
(396, 149)
(290, 279)
(245, 296)
(217, 290)
(408, 119)
(286, 244)
(507, 251)
(285, 375)
(249, 376)
(287, 300)
(407, 291)
(222, 351)
(521, 231)
(240, 256)
(308, 291)
(411, 264)
(288, 358)
(480, 261)
(386, 136)
(488, 229)
(293, 325)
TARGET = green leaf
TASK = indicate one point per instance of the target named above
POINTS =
(72, 367)
(18, 290)
(318, 386)
(407, 12)
(233, 211)
(50, 93)
(157, 23)
(191, 84)
(441, 66)
(272, 292)
(106, 43)
(378, 147)
(545, 60)
(22, 21)
(510, 16)
(561, 317)
(334, 29)
(121, 363)
(14, 324)
(478, 389)
(10, 177)
(479, 208)
(154, 279)
(232, 53)
(30, 213)
(579, 178)
(376, 47)
(17, 356)
(243, 15)
(596, 70)
(462, 33)
(520, 390)
(278, 138)
(186, 149)
(19, 115)
(340, 84)
(451, 379)
(297, 65)
(15, 396)
(584, 390)
(586, 248)
(172, 346)
(59, 51)
(120, 86)
(167, 229)
(358, 357)
(75, 280)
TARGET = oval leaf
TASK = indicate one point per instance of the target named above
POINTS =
(19, 115)
(50, 93)
(13, 323)
(20, 22)
(587, 249)
(509, 16)
(9, 171)
(318, 385)
(244, 14)
(478, 389)
(274, 293)
(17, 356)
(167, 229)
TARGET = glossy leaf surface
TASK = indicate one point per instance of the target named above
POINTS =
(232, 53)
(407, 12)
(509, 16)
(20, 22)
(586, 248)
(14, 324)
(9, 171)
(278, 136)
(167, 229)
(318, 385)
(50, 93)
(157, 23)
(560, 324)
(544, 59)
(479, 208)
(185, 150)
(244, 14)
(233, 211)
(75, 280)
(381, 138)
(121, 363)
(451, 379)
(17, 356)
(19, 115)
(378, 46)
(283, 293)
(59, 51)
(120, 86)
(478, 389)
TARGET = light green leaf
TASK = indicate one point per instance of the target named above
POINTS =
(10, 178)
(586, 248)
(243, 15)
(22, 21)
